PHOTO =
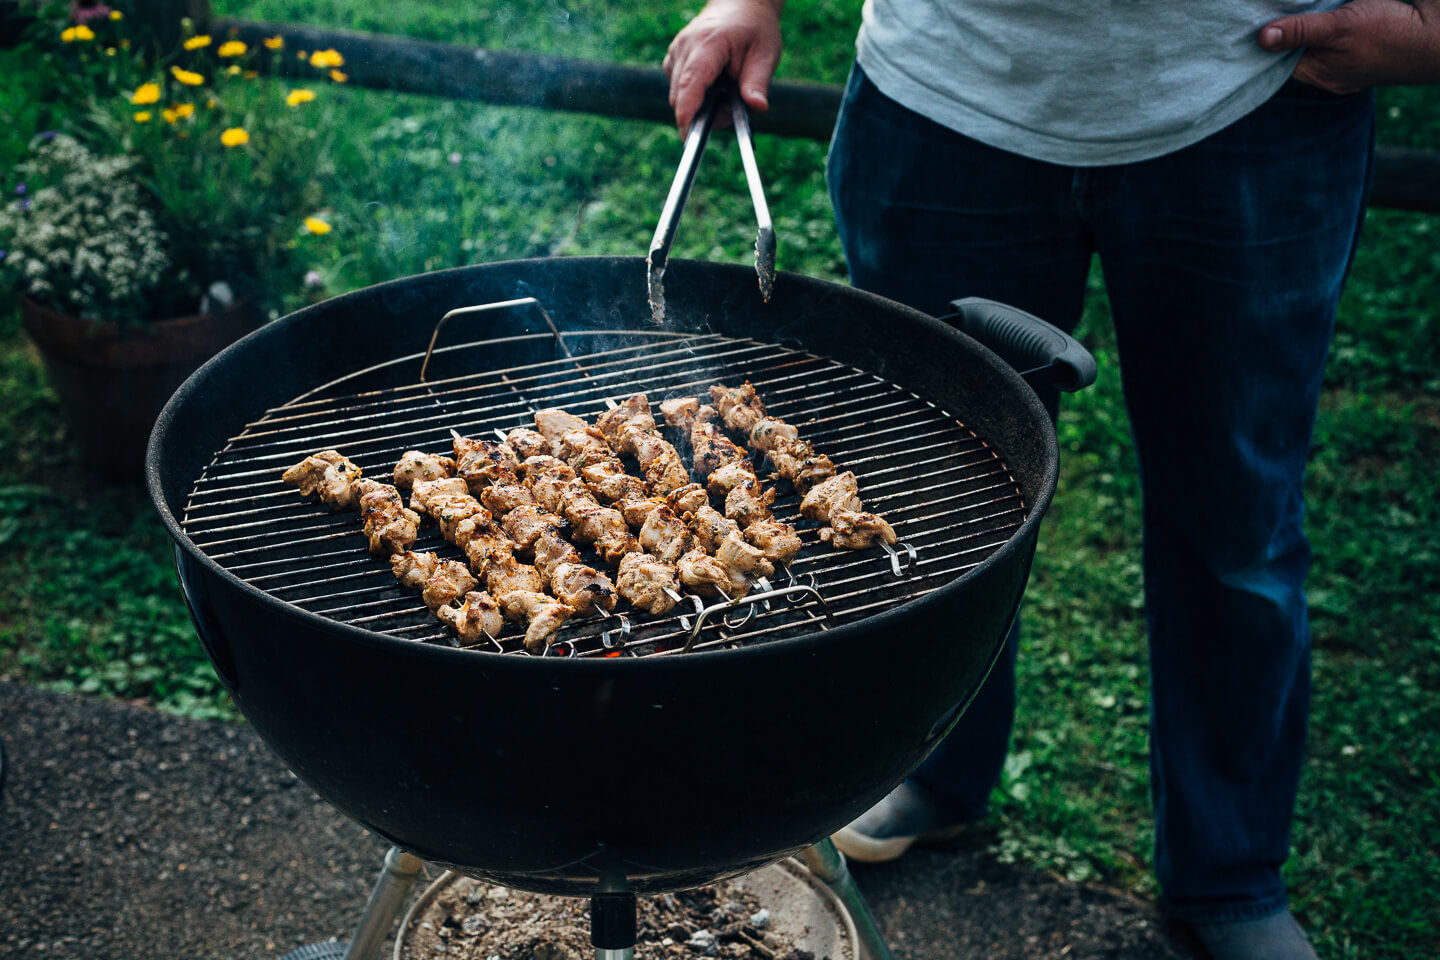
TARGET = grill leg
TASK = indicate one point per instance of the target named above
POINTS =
(828, 864)
(391, 887)
(612, 925)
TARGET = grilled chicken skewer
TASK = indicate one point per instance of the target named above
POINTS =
(329, 477)
(442, 583)
(837, 504)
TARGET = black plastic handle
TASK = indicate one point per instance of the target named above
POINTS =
(1026, 342)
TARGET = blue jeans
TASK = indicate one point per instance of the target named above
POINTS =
(1223, 263)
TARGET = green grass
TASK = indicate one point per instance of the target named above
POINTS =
(92, 604)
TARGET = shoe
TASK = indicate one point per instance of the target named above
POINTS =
(909, 815)
(1276, 937)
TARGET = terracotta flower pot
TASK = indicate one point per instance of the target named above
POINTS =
(112, 382)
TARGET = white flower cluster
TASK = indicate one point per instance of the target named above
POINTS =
(85, 243)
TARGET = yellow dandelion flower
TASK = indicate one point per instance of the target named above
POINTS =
(146, 93)
(170, 115)
(196, 42)
(183, 110)
(143, 116)
(276, 42)
(317, 226)
(297, 97)
(232, 48)
(234, 137)
(109, 51)
(83, 32)
(209, 103)
(339, 77)
(116, 15)
(327, 58)
(187, 77)
(233, 69)
(301, 55)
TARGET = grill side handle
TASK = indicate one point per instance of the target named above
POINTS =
(1026, 342)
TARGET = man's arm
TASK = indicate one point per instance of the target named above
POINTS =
(1365, 43)
(738, 37)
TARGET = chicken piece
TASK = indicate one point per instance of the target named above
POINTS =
(415, 465)
(679, 412)
(840, 492)
(387, 524)
(636, 509)
(743, 563)
(748, 502)
(487, 547)
(554, 423)
(581, 587)
(591, 522)
(423, 491)
(577, 447)
(626, 422)
(705, 575)
(502, 497)
(687, 499)
(711, 527)
(548, 484)
(739, 407)
(531, 467)
(550, 551)
(477, 618)
(527, 443)
(413, 569)
(666, 471)
(777, 541)
(525, 525)
(664, 536)
(449, 510)
(811, 470)
(644, 581)
(448, 583)
(507, 574)
(483, 462)
(328, 476)
(608, 480)
(725, 479)
(544, 616)
(856, 530)
(770, 434)
(710, 447)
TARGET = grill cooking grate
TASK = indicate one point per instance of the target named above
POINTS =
(945, 490)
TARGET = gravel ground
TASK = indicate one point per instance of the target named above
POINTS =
(126, 834)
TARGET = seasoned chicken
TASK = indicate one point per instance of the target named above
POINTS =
(448, 583)
(415, 465)
(548, 483)
(423, 491)
(485, 546)
(705, 575)
(478, 617)
(508, 574)
(449, 510)
(743, 563)
(527, 443)
(679, 412)
(554, 423)
(387, 524)
(531, 467)
(739, 407)
(608, 480)
(770, 434)
(644, 581)
(664, 535)
(806, 471)
(328, 476)
(544, 616)
(747, 502)
(711, 527)
(666, 471)
(723, 480)
(483, 462)
(413, 569)
(581, 587)
(687, 499)
(840, 492)
(636, 509)
(777, 541)
(856, 529)
(624, 423)
(525, 525)
(502, 497)
(711, 448)
(578, 447)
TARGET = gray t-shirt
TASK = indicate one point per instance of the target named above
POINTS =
(1078, 82)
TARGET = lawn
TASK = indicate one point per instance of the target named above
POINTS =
(420, 184)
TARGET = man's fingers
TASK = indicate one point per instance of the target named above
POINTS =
(755, 73)
(1306, 30)
(693, 76)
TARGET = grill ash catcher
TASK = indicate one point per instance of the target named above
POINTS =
(633, 768)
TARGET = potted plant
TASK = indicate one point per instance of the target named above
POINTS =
(176, 206)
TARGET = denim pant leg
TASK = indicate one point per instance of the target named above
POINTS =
(927, 216)
(1224, 263)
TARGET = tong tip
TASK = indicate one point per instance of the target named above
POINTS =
(765, 261)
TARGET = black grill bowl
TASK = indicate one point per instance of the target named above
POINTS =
(555, 775)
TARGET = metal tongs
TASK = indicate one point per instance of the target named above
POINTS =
(723, 91)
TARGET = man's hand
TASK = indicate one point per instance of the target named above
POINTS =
(738, 37)
(1365, 43)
